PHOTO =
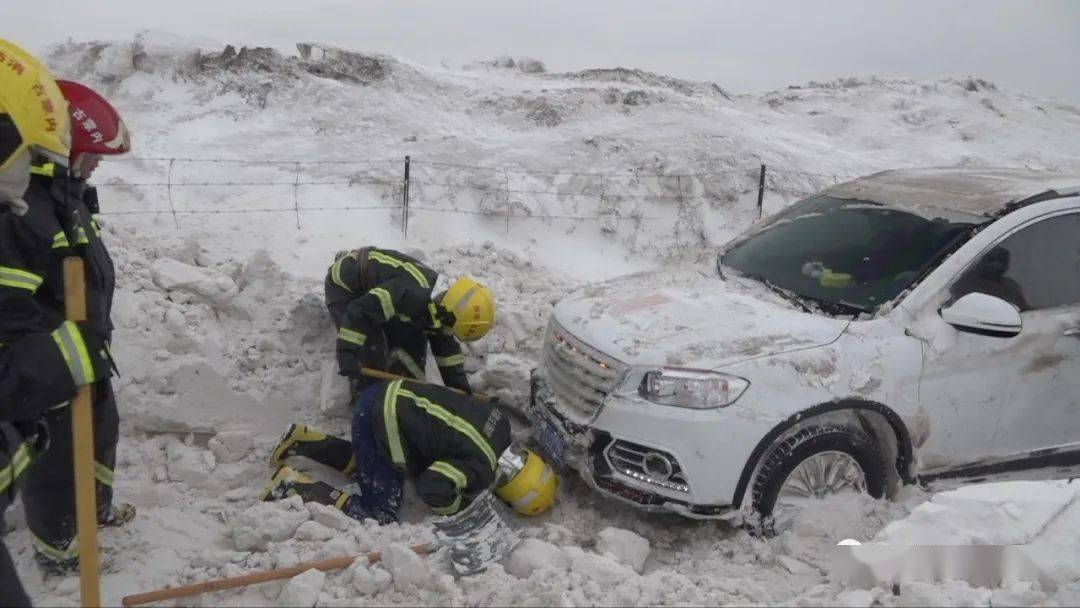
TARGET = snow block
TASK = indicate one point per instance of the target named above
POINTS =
(408, 569)
(533, 554)
(1006, 513)
(231, 446)
(267, 522)
(330, 517)
(187, 464)
(626, 547)
(303, 590)
(210, 285)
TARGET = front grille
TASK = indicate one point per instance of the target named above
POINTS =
(629, 459)
(580, 376)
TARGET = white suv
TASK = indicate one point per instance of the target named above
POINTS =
(905, 326)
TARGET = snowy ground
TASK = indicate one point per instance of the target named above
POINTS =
(222, 338)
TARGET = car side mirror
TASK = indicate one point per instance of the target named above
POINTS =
(983, 314)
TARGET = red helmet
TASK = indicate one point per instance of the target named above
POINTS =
(96, 128)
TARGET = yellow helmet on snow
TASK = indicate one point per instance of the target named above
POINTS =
(33, 112)
(528, 484)
(473, 306)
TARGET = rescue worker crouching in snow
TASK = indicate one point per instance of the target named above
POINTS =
(55, 221)
(388, 307)
(453, 445)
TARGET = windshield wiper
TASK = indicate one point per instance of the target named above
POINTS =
(786, 294)
(842, 307)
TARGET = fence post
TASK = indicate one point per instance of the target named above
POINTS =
(296, 195)
(761, 193)
(506, 177)
(405, 201)
(176, 220)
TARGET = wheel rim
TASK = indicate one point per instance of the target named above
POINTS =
(823, 474)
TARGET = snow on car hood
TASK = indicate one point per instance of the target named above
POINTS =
(690, 318)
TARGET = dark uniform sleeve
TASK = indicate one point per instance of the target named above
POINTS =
(444, 485)
(360, 341)
(34, 374)
(450, 359)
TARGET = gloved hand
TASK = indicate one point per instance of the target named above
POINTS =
(445, 317)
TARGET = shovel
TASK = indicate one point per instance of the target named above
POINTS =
(476, 537)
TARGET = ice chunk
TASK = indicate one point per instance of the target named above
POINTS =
(407, 568)
(190, 465)
(267, 522)
(532, 554)
(330, 517)
(303, 589)
(212, 286)
(310, 530)
(625, 546)
(369, 580)
(231, 446)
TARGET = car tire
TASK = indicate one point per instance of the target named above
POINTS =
(783, 459)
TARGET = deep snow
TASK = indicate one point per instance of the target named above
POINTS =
(222, 338)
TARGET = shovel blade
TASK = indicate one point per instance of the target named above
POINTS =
(478, 536)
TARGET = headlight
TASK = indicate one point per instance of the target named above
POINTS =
(693, 388)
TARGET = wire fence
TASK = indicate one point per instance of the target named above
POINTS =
(404, 186)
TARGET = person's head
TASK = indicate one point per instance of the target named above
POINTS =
(96, 128)
(473, 306)
(525, 482)
(34, 121)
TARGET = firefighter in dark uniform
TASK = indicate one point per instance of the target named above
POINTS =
(56, 221)
(34, 123)
(388, 307)
(451, 444)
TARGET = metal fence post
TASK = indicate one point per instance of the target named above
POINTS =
(176, 219)
(296, 195)
(405, 201)
(761, 193)
(506, 177)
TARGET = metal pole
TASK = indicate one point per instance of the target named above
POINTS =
(296, 195)
(405, 201)
(761, 193)
(506, 176)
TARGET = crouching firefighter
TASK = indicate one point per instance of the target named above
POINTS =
(52, 221)
(388, 307)
(452, 445)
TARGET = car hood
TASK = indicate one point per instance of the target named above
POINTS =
(690, 318)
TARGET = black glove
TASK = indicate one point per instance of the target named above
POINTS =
(444, 317)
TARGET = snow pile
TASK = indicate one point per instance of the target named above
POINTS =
(222, 338)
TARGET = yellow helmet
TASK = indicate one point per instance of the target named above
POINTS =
(532, 484)
(473, 306)
(30, 101)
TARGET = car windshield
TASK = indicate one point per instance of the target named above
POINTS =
(847, 256)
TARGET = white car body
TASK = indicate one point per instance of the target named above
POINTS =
(942, 402)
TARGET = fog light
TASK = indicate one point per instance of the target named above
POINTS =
(658, 466)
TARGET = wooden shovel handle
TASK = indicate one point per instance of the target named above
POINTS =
(381, 375)
(326, 565)
(82, 438)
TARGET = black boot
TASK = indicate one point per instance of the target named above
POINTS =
(325, 449)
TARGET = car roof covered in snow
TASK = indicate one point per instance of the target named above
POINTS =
(981, 192)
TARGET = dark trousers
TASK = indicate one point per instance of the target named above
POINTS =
(48, 489)
(11, 590)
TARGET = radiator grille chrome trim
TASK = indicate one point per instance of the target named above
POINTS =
(580, 377)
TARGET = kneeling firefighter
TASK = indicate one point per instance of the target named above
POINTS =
(388, 307)
(453, 445)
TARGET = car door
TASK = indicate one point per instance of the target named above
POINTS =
(1043, 407)
(991, 398)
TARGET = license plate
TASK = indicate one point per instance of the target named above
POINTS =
(551, 442)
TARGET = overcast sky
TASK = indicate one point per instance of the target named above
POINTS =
(743, 45)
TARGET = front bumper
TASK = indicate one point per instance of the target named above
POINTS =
(588, 451)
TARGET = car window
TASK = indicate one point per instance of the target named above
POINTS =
(1035, 268)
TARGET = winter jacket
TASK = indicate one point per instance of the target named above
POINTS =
(447, 441)
(40, 353)
(381, 302)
